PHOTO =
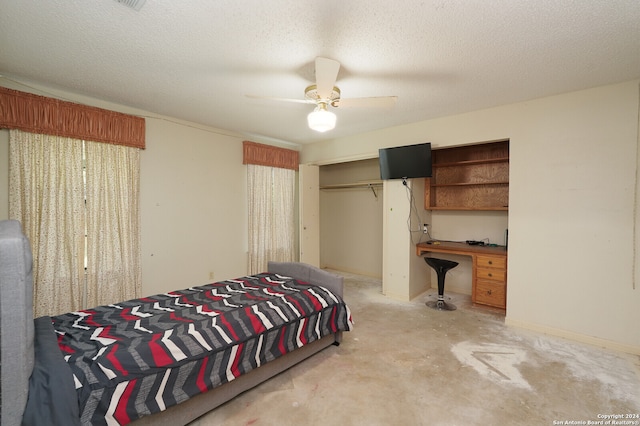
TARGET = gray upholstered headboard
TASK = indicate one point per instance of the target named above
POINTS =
(16, 321)
(309, 273)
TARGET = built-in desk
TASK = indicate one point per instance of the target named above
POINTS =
(489, 286)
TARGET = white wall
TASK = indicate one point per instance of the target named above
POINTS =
(572, 220)
(351, 219)
(462, 226)
(193, 207)
(572, 216)
(405, 275)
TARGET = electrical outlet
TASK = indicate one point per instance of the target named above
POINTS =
(425, 228)
(212, 275)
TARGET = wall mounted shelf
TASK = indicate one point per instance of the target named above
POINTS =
(472, 177)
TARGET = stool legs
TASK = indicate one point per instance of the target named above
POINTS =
(441, 266)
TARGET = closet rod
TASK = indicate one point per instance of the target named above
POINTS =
(367, 184)
(370, 184)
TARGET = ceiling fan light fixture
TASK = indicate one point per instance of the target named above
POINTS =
(321, 119)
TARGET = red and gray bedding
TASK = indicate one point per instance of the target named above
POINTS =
(141, 356)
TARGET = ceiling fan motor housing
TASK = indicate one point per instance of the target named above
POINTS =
(311, 93)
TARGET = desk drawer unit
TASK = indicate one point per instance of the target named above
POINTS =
(495, 262)
(491, 281)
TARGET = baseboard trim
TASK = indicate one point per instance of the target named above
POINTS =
(367, 274)
(395, 296)
(582, 338)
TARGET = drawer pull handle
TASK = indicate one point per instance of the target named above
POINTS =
(489, 292)
(491, 262)
(490, 274)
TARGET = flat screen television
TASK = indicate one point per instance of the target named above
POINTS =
(405, 162)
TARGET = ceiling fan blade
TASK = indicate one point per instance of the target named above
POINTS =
(300, 101)
(373, 102)
(326, 75)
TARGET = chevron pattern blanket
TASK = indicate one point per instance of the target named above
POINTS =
(142, 356)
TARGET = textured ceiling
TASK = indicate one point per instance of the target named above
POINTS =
(198, 60)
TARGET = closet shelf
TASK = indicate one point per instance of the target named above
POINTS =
(361, 184)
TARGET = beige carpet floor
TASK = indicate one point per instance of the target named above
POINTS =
(405, 364)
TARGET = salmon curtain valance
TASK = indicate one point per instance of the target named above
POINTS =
(267, 155)
(39, 114)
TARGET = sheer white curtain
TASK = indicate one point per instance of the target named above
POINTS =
(46, 196)
(271, 193)
(67, 218)
(113, 232)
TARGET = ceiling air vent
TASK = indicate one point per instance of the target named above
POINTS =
(133, 4)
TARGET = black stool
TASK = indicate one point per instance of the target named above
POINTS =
(441, 266)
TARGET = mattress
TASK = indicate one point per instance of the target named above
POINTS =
(142, 356)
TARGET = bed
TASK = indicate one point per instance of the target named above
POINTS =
(164, 359)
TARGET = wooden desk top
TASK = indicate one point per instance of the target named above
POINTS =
(459, 248)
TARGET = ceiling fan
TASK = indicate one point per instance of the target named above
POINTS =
(325, 94)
